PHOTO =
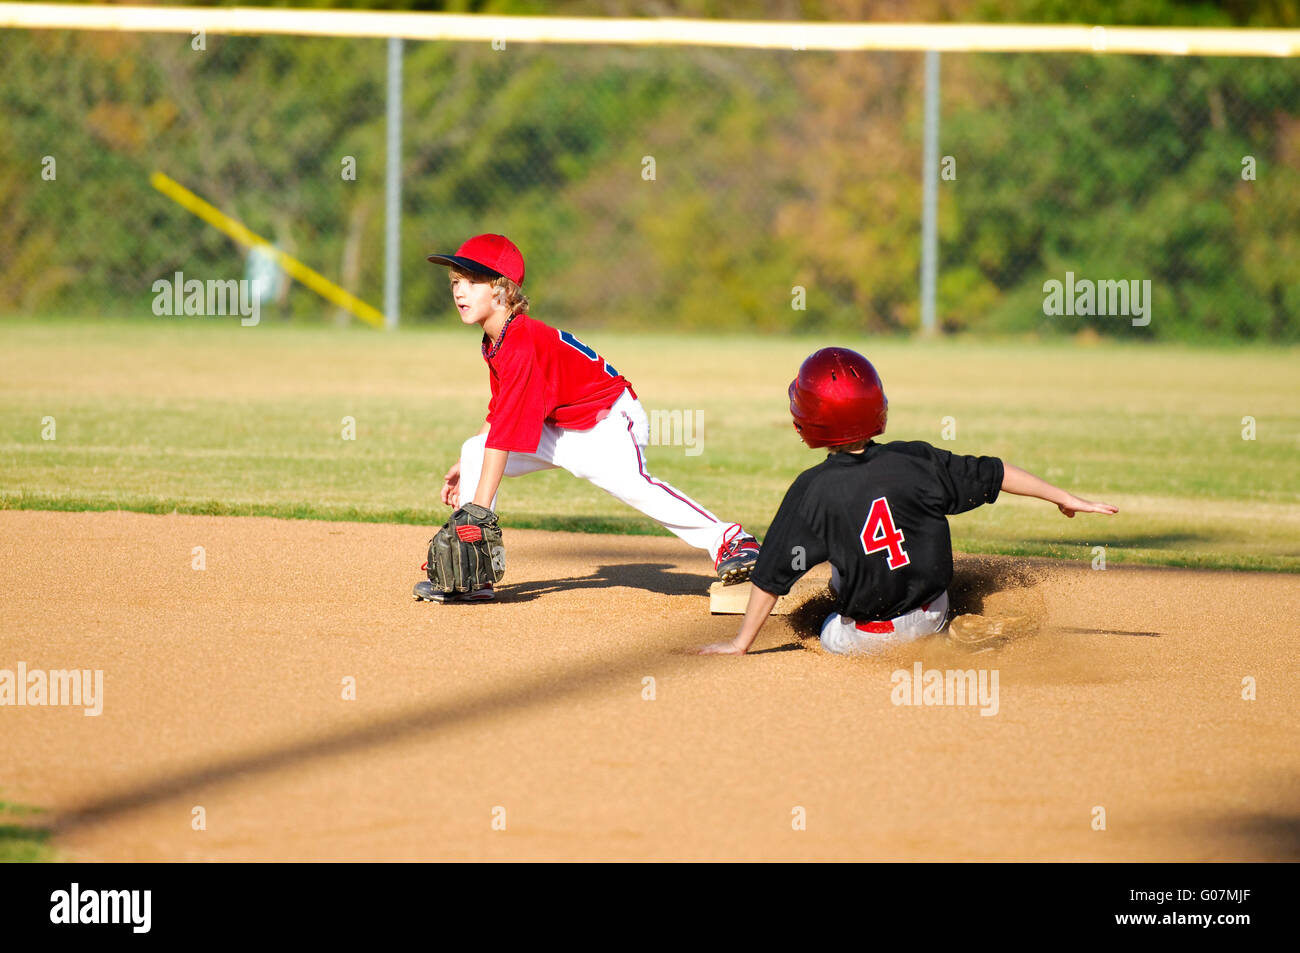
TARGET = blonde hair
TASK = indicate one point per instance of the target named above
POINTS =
(506, 293)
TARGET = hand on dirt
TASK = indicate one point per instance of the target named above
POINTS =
(721, 648)
(451, 485)
(1076, 505)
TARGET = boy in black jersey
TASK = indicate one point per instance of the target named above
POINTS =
(877, 512)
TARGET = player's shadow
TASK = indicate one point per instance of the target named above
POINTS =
(1265, 820)
(1279, 830)
(649, 577)
(1080, 630)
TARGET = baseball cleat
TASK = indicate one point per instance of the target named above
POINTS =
(736, 559)
(976, 633)
(425, 591)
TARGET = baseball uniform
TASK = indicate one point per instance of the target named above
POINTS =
(880, 518)
(557, 403)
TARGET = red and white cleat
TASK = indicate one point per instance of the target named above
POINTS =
(737, 556)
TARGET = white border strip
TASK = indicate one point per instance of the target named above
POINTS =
(750, 34)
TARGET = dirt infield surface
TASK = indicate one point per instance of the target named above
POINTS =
(571, 711)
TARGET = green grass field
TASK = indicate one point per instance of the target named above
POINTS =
(22, 843)
(200, 415)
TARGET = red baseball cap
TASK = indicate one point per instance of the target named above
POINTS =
(493, 254)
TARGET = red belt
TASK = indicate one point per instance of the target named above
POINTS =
(881, 628)
(875, 627)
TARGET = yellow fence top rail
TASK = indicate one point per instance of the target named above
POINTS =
(753, 34)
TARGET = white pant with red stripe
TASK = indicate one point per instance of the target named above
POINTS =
(612, 456)
(845, 636)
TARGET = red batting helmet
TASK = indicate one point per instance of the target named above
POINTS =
(837, 399)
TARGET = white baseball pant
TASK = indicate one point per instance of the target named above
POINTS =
(610, 455)
(846, 636)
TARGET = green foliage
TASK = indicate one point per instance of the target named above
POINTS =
(1127, 167)
(773, 171)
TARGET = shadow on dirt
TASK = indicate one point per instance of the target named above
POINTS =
(651, 577)
(422, 721)
(787, 647)
(1079, 630)
(1281, 832)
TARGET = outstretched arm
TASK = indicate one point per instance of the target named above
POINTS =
(1023, 483)
(756, 613)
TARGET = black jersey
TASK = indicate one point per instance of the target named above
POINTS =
(880, 518)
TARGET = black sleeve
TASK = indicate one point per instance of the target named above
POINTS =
(791, 546)
(967, 482)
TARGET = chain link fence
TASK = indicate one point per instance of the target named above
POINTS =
(688, 188)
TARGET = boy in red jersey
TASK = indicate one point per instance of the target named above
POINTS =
(557, 403)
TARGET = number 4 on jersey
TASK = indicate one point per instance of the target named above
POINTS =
(879, 532)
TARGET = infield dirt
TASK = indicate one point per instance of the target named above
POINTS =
(572, 709)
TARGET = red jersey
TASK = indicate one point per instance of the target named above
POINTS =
(543, 375)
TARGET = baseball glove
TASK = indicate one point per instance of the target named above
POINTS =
(468, 553)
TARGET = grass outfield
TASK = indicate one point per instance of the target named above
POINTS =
(202, 416)
(22, 843)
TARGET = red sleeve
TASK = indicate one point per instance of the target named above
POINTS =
(518, 407)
